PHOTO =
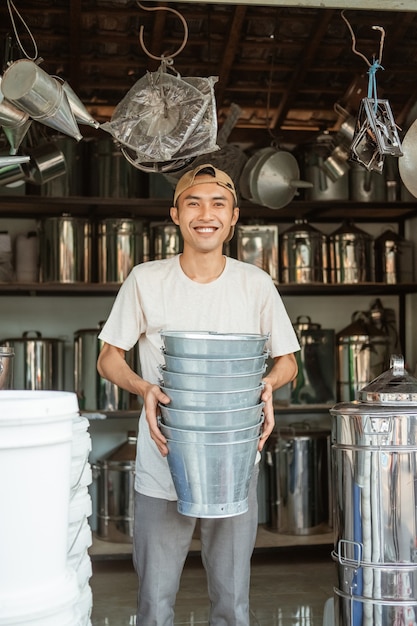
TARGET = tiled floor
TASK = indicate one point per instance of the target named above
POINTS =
(289, 587)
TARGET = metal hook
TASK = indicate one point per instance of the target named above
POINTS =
(184, 23)
(381, 43)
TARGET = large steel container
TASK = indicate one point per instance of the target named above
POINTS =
(65, 250)
(303, 253)
(6, 367)
(93, 391)
(351, 255)
(362, 354)
(394, 258)
(374, 450)
(258, 244)
(38, 361)
(116, 478)
(297, 458)
(122, 244)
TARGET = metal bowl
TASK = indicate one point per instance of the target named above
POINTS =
(203, 382)
(211, 420)
(205, 345)
(213, 400)
(211, 436)
(228, 367)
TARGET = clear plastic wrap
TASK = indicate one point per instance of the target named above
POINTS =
(164, 117)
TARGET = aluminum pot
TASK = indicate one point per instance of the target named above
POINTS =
(304, 254)
(116, 479)
(365, 185)
(112, 176)
(65, 250)
(94, 392)
(374, 450)
(211, 420)
(122, 244)
(394, 258)
(258, 244)
(6, 367)
(351, 255)
(297, 457)
(323, 187)
(38, 362)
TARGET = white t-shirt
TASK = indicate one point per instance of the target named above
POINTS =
(158, 296)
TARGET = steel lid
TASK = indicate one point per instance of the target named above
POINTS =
(394, 386)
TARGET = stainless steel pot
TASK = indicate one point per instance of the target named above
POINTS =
(122, 244)
(362, 354)
(258, 244)
(65, 249)
(315, 162)
(374, 451)
(116, 480)
(6, 367)
(297, 457)
(316, 379)
(38, 363)
(365, 185)
(93, 391)
(394, 258)
(351, 255)
(112, 176)
(304, 255)
(165, 240)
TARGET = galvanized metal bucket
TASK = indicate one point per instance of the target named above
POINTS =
(212, 479)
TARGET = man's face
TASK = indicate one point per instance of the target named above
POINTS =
(205, 215)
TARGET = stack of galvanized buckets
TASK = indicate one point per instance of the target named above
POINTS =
(214, 419)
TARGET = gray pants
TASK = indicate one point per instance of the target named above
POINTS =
(162, 538)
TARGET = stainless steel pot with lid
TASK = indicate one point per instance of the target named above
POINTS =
(374, 458)
(304, 258)
(351, 255)
(394, 258)
(6, 367)
(38, 361)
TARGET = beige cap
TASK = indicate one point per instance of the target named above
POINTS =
(188, 180)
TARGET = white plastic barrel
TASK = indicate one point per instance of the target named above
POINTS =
(35, 467)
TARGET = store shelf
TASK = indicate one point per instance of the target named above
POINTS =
(110, 289)
(158, 208)
(266, 540)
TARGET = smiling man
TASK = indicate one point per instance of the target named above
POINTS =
(197, 290)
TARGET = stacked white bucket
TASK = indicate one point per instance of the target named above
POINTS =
(214, 419)
(38, 587)
(80, 509)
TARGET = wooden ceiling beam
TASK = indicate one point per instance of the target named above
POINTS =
(233, 41)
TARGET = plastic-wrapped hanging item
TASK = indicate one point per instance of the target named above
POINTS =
(164, 117)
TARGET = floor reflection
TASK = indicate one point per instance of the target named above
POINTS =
(289, 587)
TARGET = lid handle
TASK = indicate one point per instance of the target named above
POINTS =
(397, 365)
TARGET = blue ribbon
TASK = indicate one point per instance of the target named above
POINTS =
(372, 82)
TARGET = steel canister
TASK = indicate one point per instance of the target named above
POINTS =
(394, 258)
(303, 252)
(351, 255)
(374, 459)
(65, 249)
(122, 244)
